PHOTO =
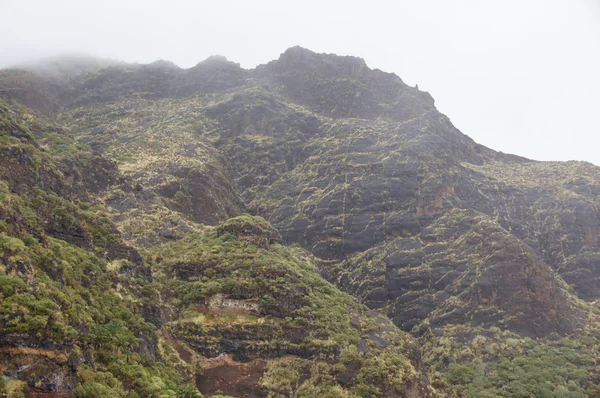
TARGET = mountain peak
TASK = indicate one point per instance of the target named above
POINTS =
(489, 259)
(217, 61)
(299, 58)
(161, 63)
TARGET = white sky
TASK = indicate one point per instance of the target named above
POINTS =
(520, 76)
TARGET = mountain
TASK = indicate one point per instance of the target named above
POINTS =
(350, 175)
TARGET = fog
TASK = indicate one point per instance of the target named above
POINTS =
(518, 76)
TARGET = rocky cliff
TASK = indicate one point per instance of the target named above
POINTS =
(452, 241)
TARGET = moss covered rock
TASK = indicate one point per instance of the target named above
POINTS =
(243, 307)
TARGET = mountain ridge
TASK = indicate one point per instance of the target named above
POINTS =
(444, 236)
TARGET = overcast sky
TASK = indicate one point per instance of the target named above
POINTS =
(520, 76)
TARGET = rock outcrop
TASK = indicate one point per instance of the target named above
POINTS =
(446, 237)
(260, 316)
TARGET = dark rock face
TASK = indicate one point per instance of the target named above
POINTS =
(403, 209)
(464, 268)
(343, 87)
(550, 206)
(23, 165)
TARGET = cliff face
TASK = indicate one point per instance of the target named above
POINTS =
(75, 299)
(223, 310)
(398, 207)
(270, 325)
(463, 269)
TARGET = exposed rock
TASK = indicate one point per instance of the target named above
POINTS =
(220, 303)
(265, 308)
(464, 268)
(401, 209)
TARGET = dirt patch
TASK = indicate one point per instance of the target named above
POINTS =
(231, 378)
(57, 356)
(183, 352)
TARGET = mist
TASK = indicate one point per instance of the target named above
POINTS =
(519, 77)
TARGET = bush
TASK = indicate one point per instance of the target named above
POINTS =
(460, 374)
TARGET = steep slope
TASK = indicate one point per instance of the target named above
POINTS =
(444, 236)
(227, 309)
(270, 325)
(343, 87)
(162, 156)
(463, 269)
(341, 158)
(76, 309)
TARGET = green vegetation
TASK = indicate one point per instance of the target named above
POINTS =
(60, 302)
(297, 313)
(57, 288)
(497, 363)
(60, 294)
(445, 237)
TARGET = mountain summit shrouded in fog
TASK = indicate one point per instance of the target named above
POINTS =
(516, 76)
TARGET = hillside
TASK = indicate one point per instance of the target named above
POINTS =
(223, 310)
(483, 257)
